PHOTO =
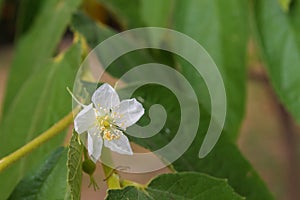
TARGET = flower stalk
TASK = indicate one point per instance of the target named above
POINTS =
(111, 177)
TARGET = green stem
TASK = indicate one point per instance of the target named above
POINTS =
(85, 154)
(35, 143)
(112, 179)
(125, 183)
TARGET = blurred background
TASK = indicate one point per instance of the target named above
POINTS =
(269, 137)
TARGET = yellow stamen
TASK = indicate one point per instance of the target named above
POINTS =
(105, 125)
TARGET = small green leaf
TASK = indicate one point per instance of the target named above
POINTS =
(48, 182)
(74, 166)
(185, 185)
(278, 35)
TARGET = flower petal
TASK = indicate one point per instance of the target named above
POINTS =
(105, 97)
(85, 119)
(120, 145)
(95, 144)
(128, 113)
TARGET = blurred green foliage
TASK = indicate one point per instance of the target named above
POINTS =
(36, 97)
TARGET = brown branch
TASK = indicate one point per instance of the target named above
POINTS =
(289, 133)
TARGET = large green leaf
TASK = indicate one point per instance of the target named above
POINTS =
(221, 27)
(41, 101)
(48, 182)
(225, 160)
(75, 166)
(38, 44)
(279, 37)
(185, 185)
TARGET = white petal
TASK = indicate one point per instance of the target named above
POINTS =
(95, 143)
(128, 113)
(85, 119)
(106, 97)
(120, 145)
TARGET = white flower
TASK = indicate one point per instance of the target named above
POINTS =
(105, 120)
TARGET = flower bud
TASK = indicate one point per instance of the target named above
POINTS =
(88, 166)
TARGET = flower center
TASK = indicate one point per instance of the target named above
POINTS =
(105, 123)
(108, 128)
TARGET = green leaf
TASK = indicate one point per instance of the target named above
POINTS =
(96, 33)
(185, 185)
(48, 182)
(279, 36)
(225, 160)
(240, 170)
(162, 10)
(36, 47)
(140, 13)
(221, 27)
(41, 101)
(126, 12)
(27, 11)
(285, 4)
(74, 166)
